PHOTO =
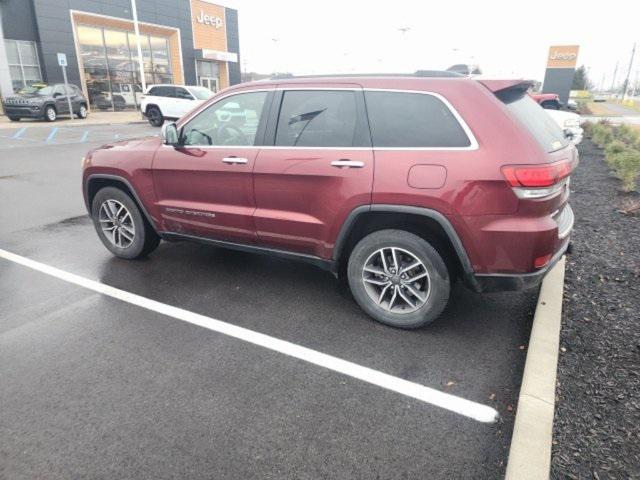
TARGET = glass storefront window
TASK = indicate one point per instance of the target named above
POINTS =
(112, 72)
(24, 66)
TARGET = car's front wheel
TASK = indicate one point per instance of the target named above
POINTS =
(121, 225)
(398, 278)
(14, 119)
(82, 112)
(50, 114)
(154, 115)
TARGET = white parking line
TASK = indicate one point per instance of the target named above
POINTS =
(477, 411)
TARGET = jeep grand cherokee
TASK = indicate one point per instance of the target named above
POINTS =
(400, 183)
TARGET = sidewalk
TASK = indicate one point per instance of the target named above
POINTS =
(94, 118)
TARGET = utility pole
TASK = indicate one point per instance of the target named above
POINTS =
(625, 85)
(613, 80)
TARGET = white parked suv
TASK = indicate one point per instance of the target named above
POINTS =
(569, 122)
(162, 102)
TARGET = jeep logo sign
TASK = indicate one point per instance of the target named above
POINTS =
(209, 20)
(562, 56)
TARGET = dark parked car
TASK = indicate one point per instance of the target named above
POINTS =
(47, 102)
(401, 184)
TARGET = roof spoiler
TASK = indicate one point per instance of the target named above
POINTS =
(499, 85)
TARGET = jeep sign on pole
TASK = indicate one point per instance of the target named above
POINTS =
(561, 67)
(62, 61)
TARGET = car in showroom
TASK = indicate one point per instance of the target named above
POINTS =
(399, 184)
(46, 102)
(170, 102)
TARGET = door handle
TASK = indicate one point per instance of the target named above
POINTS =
(347, 163)
(235, 160)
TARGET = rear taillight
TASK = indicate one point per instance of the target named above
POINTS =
(537, 181)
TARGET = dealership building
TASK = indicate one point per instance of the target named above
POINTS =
(191, 42)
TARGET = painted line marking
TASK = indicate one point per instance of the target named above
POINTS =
(19, 133)
(84, 136)
(476, 411)
(52, 135)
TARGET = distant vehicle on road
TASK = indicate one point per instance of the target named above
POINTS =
(470, 182)
(162, 102)
(47, 102)
(549, 101)
(599, 97)
(569, 122)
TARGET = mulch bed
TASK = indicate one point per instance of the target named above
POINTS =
(597, 422)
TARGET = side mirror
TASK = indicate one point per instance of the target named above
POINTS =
(169, 134)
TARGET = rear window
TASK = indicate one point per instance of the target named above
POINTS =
(533, 117)
(413, 120)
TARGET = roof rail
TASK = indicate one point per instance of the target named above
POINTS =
(417, 73)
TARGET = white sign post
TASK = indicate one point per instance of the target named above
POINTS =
(62, 61)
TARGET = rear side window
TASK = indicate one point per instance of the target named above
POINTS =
(183, 94)
(533, 117)
(317, 118)
(162, 91)
(413, 120)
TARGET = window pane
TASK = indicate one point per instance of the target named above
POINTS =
(317, 119)
(232, 121)
(32, 75)
(160, 55)
(182, 93)
(91, 47)
(28, 53)
(117, 50)
(12, 52)
(412, 120)
(16, 77)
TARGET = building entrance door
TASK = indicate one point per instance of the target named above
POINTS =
(210, 83)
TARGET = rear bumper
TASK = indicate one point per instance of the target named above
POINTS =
(502, 282)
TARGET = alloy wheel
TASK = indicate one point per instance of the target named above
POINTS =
(396, 280)
(116, 223)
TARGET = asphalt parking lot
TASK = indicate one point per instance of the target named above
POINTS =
(94, 386)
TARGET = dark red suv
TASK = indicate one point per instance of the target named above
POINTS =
(402, 184)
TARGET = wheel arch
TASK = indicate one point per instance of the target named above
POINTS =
(429, 224)
(96, 182)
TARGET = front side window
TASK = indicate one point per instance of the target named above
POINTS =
(412, 120)
(233, 121)
(183, 94)
(317, 118)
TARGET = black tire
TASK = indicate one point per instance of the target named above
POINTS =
(154, 115)
(145, 239)
(50, 114)
(438, 277)
(14, 119)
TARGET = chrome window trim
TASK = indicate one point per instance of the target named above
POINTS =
(474, 145)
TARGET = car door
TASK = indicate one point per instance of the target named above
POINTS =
(318, 169)
(183, 102)
(204, 185)
(60, 96)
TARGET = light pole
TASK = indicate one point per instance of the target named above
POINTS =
(136, 28)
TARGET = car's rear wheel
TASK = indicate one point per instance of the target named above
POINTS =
(50, 114)
(154, 115)
(121, 225)
(14, 119)
(82, 112)
(398, 278)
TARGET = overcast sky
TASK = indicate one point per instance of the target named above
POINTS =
(506, 38)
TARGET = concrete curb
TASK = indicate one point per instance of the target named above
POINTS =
(530, 452)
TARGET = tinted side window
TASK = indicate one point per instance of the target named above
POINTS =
(232, 121)
(317, 118)
(59, 89)
(162, 91)
(183, 94)
(412, 120)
